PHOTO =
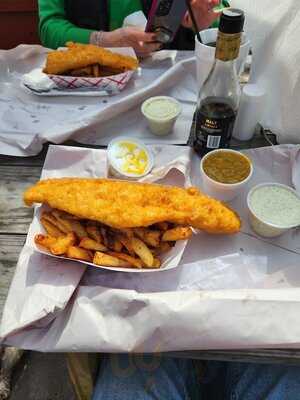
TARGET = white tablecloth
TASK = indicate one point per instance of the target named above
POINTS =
(27, 121)
(229, 292)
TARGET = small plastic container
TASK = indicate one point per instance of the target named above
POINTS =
(250, 111)
(128, 158)
(161, 113)
(219, 190)
(260, 225)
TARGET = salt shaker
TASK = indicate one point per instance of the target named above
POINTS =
(250, 111)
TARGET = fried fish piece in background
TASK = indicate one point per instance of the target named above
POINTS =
(106, 57)
(121, 204)
(59, 62)
(80, 56)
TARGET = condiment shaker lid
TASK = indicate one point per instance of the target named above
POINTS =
(250, 111)
(253, 91)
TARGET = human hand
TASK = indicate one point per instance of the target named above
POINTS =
(204, 14)
(143, 42)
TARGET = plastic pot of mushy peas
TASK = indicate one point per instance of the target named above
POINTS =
(225, 173)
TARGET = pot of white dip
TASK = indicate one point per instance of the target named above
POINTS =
(273, 209)
(161, 113)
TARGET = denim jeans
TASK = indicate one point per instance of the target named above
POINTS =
(127, 377)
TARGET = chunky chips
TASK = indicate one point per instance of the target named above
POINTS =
(90, 241)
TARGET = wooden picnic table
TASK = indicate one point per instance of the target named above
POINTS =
(17, 173)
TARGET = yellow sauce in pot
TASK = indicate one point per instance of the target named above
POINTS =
(130, 158)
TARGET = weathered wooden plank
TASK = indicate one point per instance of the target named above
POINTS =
(39, 159)
(21, 161)
(14, 216)
(41, 376)
(10, 248)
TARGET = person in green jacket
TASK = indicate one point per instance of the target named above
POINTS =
(100, 22)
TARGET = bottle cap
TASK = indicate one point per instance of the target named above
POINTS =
(232, 21)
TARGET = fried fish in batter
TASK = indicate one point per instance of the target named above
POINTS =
(121, 204)
(79, 56)
(107, 58)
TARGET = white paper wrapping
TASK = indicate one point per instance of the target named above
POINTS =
(27, 121)
(274, 29)
(229, 292)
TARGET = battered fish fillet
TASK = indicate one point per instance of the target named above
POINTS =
(122, 204)
(80, 56)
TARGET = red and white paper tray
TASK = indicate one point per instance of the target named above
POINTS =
(108, 84)
(41, 83)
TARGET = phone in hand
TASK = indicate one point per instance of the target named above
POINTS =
(165, 17)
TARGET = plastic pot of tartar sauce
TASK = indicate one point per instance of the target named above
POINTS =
(273, 209)
(161, 113)
(129, 158)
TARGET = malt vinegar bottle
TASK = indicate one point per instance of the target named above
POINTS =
(219, 96)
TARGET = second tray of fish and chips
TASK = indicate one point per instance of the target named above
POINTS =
(81, 65)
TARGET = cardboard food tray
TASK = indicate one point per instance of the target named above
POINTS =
(169, 260)
(162, 171)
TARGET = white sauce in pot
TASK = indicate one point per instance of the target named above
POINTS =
(276, 205)
(161, 108)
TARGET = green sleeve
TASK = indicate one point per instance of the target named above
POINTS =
(223, 3)
(120, 9)
(54, 29)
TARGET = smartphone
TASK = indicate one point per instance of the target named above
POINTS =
(165, 17)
